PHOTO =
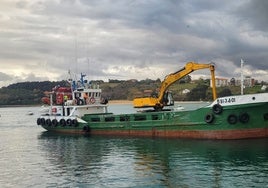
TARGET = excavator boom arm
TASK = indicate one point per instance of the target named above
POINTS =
(173, 77)
(170, 79)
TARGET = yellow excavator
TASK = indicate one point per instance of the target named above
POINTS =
(164, 97)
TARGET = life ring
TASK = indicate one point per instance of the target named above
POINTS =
(74, 122)
(48, 122)
(92, 100)
(62, 122)
(55, 122)
(209, 118)
(54, 110)
(232, 119)
(217, 108)
(244, 117)
(69, 122)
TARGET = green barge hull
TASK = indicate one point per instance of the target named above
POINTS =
(235, 117)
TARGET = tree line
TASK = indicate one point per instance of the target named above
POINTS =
(30, 93)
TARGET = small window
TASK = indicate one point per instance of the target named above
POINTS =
(95, 119)
(140, 118)
(155, 117)
(109, 119)
(124, 118)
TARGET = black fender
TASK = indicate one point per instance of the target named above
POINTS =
(74, 122)
(86, 128)
(48, 122)
(244, 117)
(209, 118)
(232, 119)
(55, 122)
(62, 122)
(69, 122)
(217, 108)
(38, 121)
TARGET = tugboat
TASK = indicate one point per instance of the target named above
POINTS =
(69, 104)
(80, 109)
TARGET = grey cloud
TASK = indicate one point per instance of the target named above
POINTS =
(135, 35)
(254, 12)
(4, 77)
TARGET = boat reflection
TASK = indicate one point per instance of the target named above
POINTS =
(148, 162)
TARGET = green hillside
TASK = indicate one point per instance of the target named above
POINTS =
(30, 93)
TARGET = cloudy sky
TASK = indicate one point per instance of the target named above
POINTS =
(130, 39)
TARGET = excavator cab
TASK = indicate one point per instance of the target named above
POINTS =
(168, 99)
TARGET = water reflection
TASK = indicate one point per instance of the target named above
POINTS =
(145, 162)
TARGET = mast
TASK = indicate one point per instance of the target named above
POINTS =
(242, 77)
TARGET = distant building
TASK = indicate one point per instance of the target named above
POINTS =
(220, 82)
(147, 92)
(185, 91)
(248, 82)
(133, 80)
(264, 87)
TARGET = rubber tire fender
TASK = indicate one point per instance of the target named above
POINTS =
(38, 121)
(86, 128)
(48, 122)
(265, 116)
(232, 119)
(217, 108)
(43, 121)
(69, 122)
(209, 118)
(55, 122)
(244, 117)
(62, 122)
(74, 122)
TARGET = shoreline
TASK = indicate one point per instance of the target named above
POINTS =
(120, 102)
(110, 102)
(130, 102)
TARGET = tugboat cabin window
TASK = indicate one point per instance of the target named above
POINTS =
(77, 95)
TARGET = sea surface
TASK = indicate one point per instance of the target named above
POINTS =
(32, 157)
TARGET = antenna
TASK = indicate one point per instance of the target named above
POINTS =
(242, 77)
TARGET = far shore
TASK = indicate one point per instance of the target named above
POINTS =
(110, 102)
(120, 102)
(131, 102)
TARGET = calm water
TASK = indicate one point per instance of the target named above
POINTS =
(32, 157)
